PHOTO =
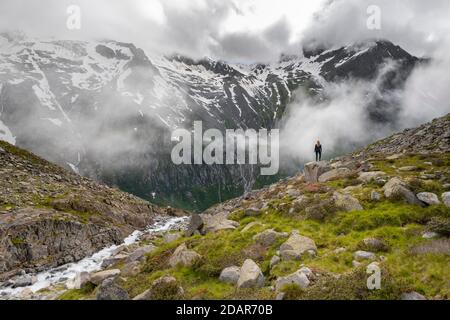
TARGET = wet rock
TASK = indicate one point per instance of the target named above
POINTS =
(428, 198)
(24, 281)
(183, 256)
(296, 246)
(98, 277)
(230, 275)
(108, 290)
(250, 275)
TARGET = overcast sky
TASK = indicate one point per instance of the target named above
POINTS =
(234, 30)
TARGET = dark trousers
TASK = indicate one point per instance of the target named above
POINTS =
(318, 156)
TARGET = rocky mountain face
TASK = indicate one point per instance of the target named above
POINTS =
(106, 109)
(50, 216)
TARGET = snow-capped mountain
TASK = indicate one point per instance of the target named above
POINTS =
(106, 109)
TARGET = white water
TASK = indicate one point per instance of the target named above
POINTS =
(65, 273)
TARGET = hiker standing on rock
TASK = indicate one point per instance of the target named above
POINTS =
(318, 151)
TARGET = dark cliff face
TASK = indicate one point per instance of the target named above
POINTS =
(108, 109)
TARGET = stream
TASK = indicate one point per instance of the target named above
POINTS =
(61, 275)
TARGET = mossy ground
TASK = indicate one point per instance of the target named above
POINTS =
(399, 225)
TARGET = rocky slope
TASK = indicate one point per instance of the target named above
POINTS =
(106, 109)
(50, 216)
(318, 235)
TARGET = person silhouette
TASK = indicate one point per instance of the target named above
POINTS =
(318, 151)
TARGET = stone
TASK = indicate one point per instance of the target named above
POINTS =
(218, 223)
(183, 256)
(356, 264)
(113, 260)
(296, 246)
(250, 275)
(429, 198)
(230, 275)
(367, 177)
(412, 296)
(280, 296)
(195, 224)
(98, 277)
(297, 278)
(394, 156)
(274, 261)
(252, 212)
(251, 225)
(170, 237)
(396, 189)
(407, 168)
(364, 255)
(313, 170)
(308, 272)
(430, 235)
(346, 202)
(294, 193)
(335, 174)
(139, 253)
(131, 269)
(108, 290)
(269, 237)
(374, 244)
(24, 281)
(446, 198)
(79, 281)
(375, 196)
(164, 288)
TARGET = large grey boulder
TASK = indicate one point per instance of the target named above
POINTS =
(108, 290)
(139, 253)
(429, 198)
(346, 202)
(446, 198)
(297, 278)
(183, 256)
(412, 296)
(335, 174)
(313, 170)
(250, 275)
(364, 255)
(218, 222)
(296, 246)
(98, 277)
(396, 189)
(195, 224)
(230, 275)
(269, 237)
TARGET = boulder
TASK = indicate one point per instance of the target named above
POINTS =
(170, 237)
(183, 256)
(274, 261)
(297, 278)
(367, 177)
(269, 237)
(396, 189)
(313, 170)
(407, 168)
(346, 202)
(164, 288)
(108, 290)
(296, 246)
(293, 193)
(24, 281)
(373, 244)
(113, 260)
(364, 255)
(446, 198)
(131, 269)
(250, 275)
(412, 296)
(98, 277)
(79, 281)
(335, 174)
(218, 222)
(230, 275)
(139, 253)
(308, 272)
(429, 198)
(252, 212)
(195, 224)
